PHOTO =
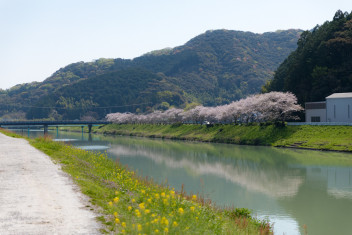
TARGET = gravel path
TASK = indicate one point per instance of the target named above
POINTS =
(36, 197)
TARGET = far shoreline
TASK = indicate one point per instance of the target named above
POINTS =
(316, 138)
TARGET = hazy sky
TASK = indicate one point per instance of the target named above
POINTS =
(37, 37)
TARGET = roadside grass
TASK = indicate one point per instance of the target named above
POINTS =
(10, 133)
(133, 205)
(337, 138)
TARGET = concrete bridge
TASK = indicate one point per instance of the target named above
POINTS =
(46, 124)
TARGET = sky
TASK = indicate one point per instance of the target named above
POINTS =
(38, 37)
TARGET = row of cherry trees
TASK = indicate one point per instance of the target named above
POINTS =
(273, 106)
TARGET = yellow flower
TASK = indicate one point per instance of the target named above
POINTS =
(194, 197)
(147, 211)
(192, 208)
(133, 200)
(153, 215)
(164, 221)
(166, 230)
(196, 218)
(162, 194)
(180, 210)
(110, 203)
(123, 231)
(156, 196)
(116, 192)
(172, 192)
(142, 206)
(115, 214)
(156, 231)
(139, 227)
(129, 208)
(117, 220)
(143, 191)
(123, 224)
(174, 224)
(116, 199)
(149, 200)
(165, 201)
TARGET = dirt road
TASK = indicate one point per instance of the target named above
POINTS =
(36, 197)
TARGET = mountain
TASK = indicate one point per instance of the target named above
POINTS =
(322, 63)
(213, 68)
(221, 66)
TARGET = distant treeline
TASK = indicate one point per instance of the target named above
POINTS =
(322, 63)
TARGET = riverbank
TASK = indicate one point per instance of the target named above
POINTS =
(36, 197)
(333, 138)
(133, 205)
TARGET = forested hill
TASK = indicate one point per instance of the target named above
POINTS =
(213, 68)
(322, 63)
(221, 66)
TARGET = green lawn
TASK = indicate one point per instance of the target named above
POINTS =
(319, 137)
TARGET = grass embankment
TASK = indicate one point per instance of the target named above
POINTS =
(338, 138)
(132, 205)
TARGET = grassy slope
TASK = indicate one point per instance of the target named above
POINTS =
(132, 205)
(337, 138)
(311, 137)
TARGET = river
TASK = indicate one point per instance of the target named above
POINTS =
(297, 190)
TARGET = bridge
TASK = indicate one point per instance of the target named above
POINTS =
(46, 124)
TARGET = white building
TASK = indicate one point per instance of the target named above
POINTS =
(336, 108)
(315, 111)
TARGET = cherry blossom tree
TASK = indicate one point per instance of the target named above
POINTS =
(273, 106)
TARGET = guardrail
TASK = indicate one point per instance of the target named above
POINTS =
(319, 123)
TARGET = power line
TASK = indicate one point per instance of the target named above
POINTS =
(92, 107)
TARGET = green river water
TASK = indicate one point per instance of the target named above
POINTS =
(292, 188)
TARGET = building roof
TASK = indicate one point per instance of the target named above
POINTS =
(316, 105)
(340, 95)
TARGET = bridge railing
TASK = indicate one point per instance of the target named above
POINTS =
(46, 124)
(52, 123)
